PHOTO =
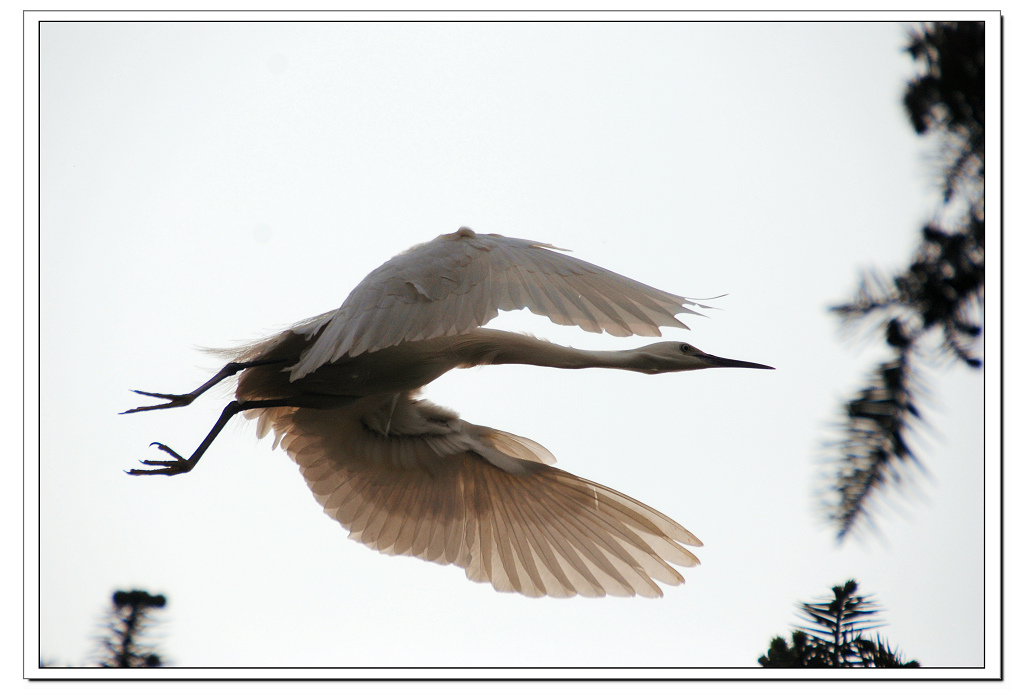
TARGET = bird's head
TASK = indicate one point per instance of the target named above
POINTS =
(681, 357)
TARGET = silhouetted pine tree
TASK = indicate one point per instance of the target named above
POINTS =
(941, 294)
(835, 637)
(123, 646)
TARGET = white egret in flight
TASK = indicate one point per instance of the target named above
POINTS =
(405, 476)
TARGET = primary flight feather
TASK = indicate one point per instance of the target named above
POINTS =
(340, 394)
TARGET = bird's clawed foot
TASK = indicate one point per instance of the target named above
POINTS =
(170, 467)
(173, 401)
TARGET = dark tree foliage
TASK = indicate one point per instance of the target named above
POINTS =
(940, 295)
(835, 636)
(803, 654)
(949, 97)
(123, 646)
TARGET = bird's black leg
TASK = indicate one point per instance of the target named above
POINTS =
(180, 465)
(176, 400)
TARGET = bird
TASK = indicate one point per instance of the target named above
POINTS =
(341, 394)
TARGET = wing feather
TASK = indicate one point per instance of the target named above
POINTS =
(566, 547)
(605, 550)
(461, 280)
(609, 319)
(533, 529)
(503, 539)
(554, 581)
(580, 310)
(587, 559)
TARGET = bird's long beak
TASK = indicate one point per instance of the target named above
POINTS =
(715, 361)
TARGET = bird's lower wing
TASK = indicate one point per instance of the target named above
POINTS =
(539, 531)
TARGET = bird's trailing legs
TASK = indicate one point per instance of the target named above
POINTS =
(180, 465)
(178, 400)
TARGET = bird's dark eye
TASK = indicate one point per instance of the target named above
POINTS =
(685, 348)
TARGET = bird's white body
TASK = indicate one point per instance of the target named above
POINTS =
(404, 476)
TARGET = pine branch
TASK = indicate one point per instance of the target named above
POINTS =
(942, 292)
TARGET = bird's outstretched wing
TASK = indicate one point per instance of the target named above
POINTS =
(438, 495)
(461, 280)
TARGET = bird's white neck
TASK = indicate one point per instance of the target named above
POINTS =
(492, 347)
